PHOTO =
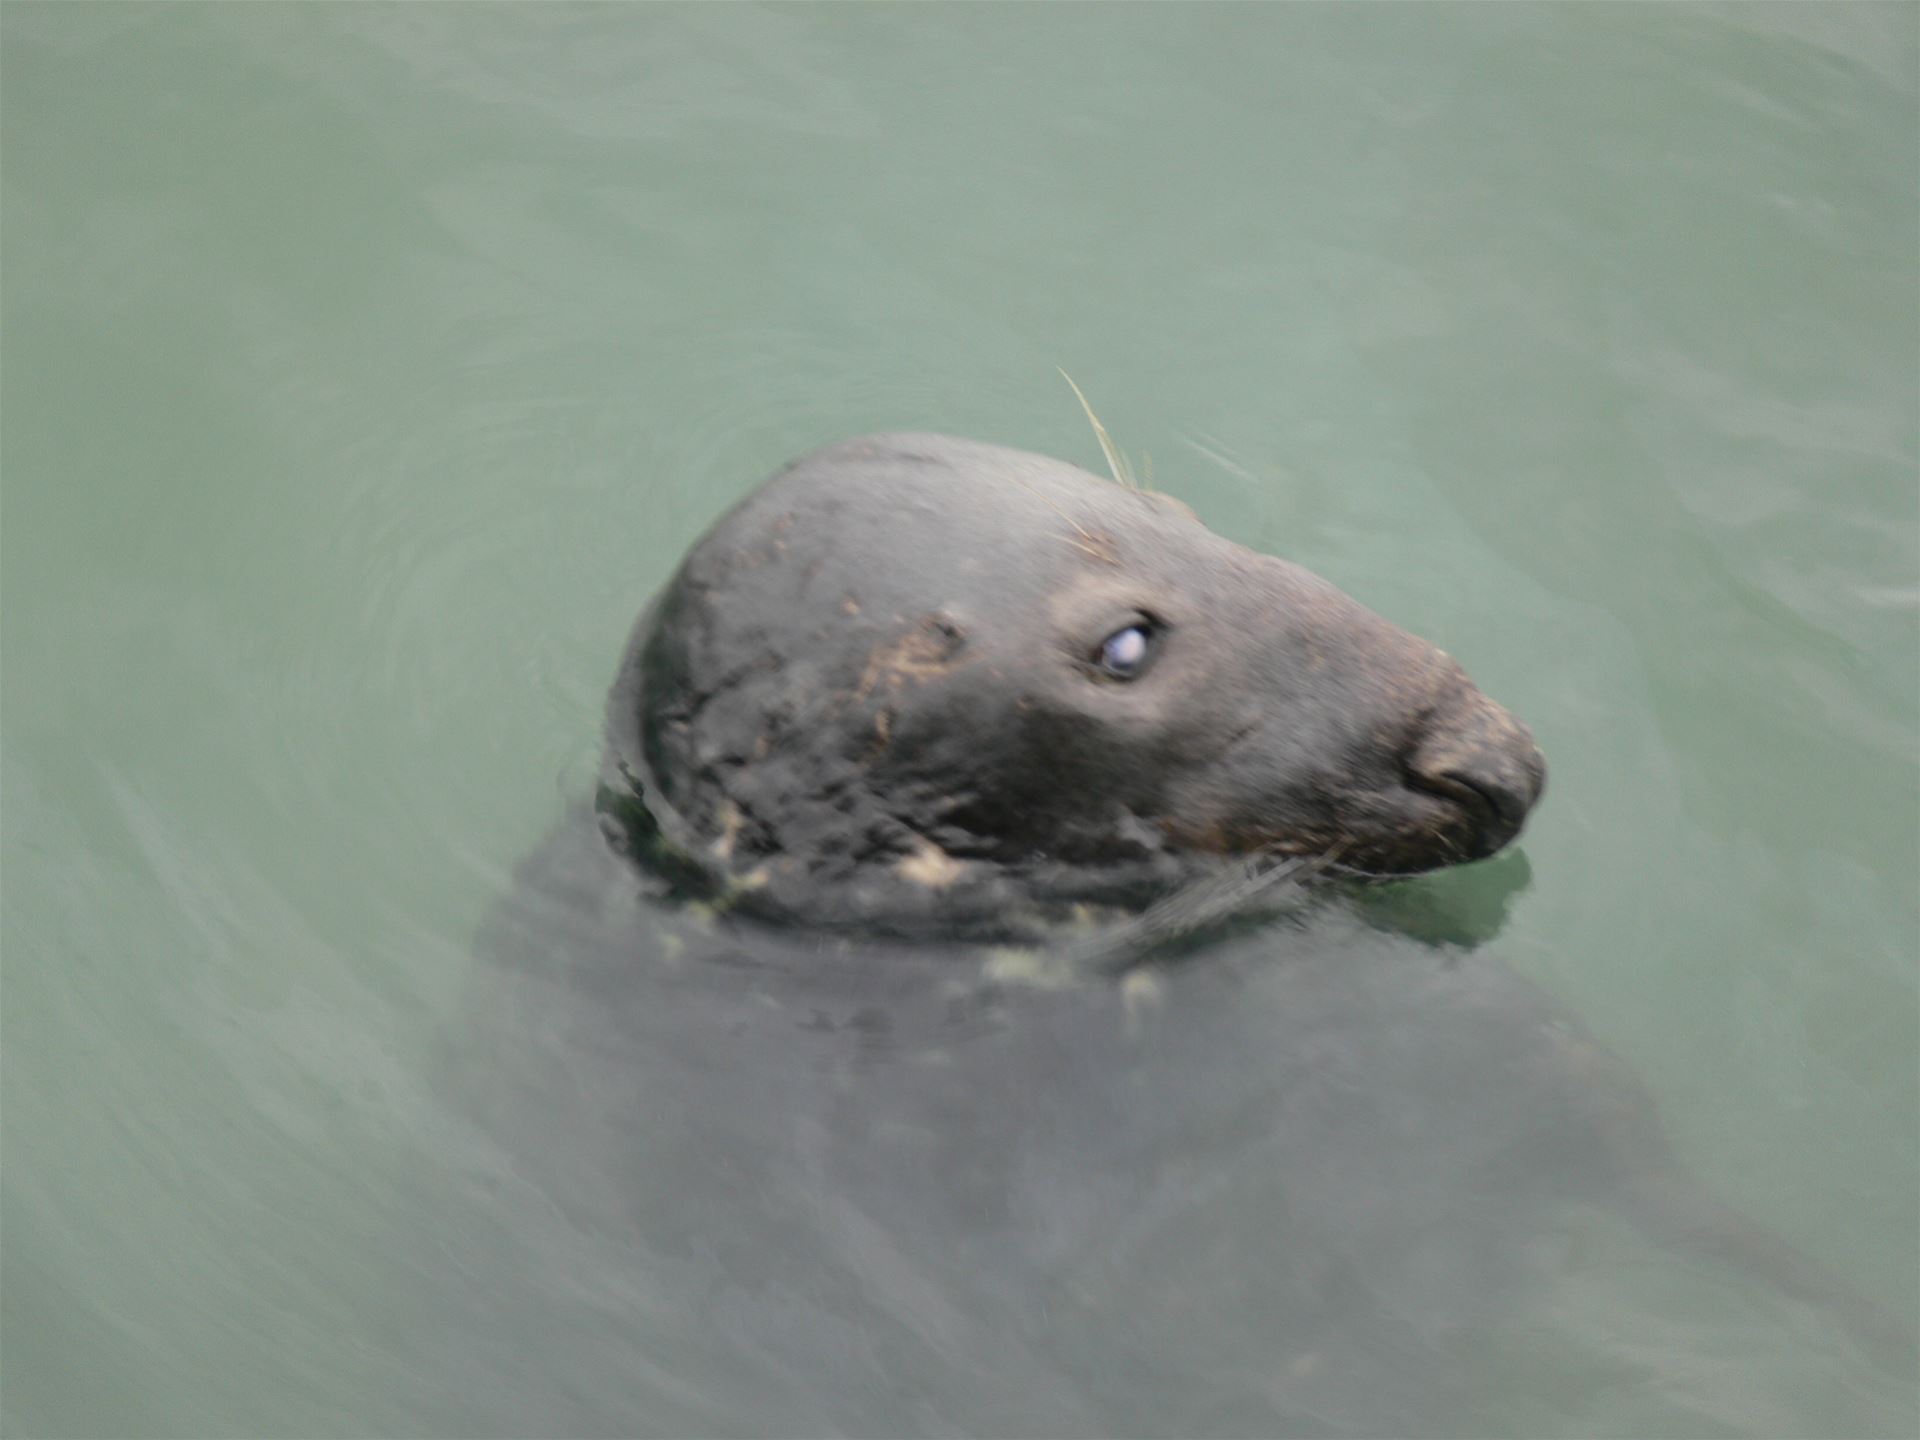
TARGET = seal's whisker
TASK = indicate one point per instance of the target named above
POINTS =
(1259, 881)
(1116, 459)
(1088, 541)
(1092, 549)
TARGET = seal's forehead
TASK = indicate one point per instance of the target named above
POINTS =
(963, 489)
(908, 463)
(912, 523)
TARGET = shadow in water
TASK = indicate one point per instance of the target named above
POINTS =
(1463, 907)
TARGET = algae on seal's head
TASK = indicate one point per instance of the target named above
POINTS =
(917, 683)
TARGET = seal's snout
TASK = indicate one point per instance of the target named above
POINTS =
(1486, 763)
(1496, 796)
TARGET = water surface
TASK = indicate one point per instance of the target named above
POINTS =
(365, 368)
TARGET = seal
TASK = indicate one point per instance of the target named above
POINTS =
(1311, 1184)
(919, 683)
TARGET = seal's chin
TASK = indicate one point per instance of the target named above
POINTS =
(1438, 821)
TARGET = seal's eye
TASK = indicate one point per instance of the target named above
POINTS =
(1123, 654)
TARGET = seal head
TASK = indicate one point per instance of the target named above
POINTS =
(921, 682)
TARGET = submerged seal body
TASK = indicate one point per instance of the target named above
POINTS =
(918, 681)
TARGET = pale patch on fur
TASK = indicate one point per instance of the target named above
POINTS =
(738, 889)
(730, 822)
(1036, 969)
(930, 866)
(919, 653)
(1140, 991)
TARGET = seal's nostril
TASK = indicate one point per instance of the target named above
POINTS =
(1495, 789)
(1504, 804)
(1476, 756)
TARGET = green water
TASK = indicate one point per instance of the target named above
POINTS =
(365, 368)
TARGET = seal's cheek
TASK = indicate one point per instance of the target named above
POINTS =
(1133, 738)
